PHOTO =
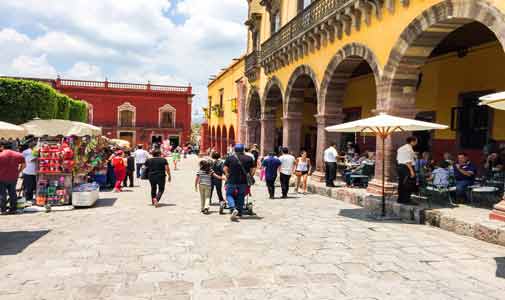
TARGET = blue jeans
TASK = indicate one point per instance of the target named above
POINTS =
(461, 187)
(235, 195)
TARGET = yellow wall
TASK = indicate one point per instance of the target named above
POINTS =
(226, 81)
(444, 79)
(380, 37)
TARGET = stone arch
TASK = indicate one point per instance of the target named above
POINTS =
(224, 140)
(338, 72)
(218, 140)
(213, 137)
(231, 136)
(272, 94)
(424, 33)
(291, 100)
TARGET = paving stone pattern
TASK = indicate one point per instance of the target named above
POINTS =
(311, 247)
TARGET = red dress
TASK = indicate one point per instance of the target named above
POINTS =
(119, 171)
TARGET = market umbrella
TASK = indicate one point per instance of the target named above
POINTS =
(383, 125)
(56, 127)
(120, 143)
(8, 130)
(496, 100)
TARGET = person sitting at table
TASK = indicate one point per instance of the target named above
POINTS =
(464, 173)
(367, 161)
(492, 165)
(440, 175)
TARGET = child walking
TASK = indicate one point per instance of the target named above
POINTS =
(203, 184)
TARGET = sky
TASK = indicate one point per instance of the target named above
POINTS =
(173, 42)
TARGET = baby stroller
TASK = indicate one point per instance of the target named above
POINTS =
(248, 204)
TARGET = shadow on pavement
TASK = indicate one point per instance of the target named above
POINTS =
(166, 204)
(14, 242)
(500, 267)
(105, 202)
(363, 215)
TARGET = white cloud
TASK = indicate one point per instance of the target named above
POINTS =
(31, 66)
(84, 71)
(128, 40)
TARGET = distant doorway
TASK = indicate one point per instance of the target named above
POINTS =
(174, 141)
(156, 139)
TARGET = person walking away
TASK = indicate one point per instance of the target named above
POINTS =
(130, 169)
(237, 168)
(464, 173)
(141, 157)
(158, 171)
(203, 184)
(256, 153)
(287, 167)
(406, 174)
(11, 163)
(29, 172)
(330, 162)
(176, 157)
(271, 166)
(302, 171)
(217, 179)
(119, 164)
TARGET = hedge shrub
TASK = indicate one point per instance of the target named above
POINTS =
(23, 100)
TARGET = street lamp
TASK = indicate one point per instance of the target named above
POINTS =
(496, 101)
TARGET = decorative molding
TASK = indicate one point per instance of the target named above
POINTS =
(126, 106)
(166, 108)
(321, 22)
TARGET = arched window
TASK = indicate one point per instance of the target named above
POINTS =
(167, 116)
(126, 115)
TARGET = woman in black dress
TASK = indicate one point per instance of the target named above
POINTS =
(158, 171)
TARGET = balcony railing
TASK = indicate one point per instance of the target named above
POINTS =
(142, 125)
(252, 65)
(122, 85)
(304, 21)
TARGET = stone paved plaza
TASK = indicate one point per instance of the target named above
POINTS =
(310, 247)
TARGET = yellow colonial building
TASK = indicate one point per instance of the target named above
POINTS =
(311, 64)
(226, 97)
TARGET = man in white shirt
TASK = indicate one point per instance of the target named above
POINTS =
(29, 173)
(330, 161)
(286, 170)
(141, 157)
(406, 174)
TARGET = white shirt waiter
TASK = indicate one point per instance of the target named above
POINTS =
(330, 155)
(405, 155)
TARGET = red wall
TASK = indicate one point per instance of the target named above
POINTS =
(105, 107)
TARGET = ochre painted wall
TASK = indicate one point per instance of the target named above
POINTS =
(444, 79)
(226, 81)
(381, 36)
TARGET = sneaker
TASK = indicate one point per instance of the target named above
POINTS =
(234, 216)
(221, 208)
(206, 211)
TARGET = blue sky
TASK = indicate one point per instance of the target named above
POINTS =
(164, 41)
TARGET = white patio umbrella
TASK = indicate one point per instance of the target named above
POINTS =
(383, 125)
(121, 143)
(8, 130)
(57, 127)
(496, 100)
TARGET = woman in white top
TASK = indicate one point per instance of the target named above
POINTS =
(302, 170)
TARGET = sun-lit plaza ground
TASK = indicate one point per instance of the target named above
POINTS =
(305, 247)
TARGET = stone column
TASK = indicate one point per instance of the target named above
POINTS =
(267, 135)
(388, 154)
(324, 140)
(252, 126)
(292, 132)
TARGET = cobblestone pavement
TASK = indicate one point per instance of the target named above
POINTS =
(301, 248)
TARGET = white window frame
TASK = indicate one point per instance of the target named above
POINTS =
(167, 108)
(126, 106)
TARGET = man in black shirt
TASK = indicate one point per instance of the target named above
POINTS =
(237, 167)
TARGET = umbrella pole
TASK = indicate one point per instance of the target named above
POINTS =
(383, 177)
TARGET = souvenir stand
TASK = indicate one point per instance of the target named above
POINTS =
(63, 151)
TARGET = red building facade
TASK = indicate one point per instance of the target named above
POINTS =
(138, 113)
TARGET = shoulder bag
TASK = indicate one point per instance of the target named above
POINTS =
(249, 178)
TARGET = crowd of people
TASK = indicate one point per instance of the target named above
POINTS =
(416, 170)
(122, 165)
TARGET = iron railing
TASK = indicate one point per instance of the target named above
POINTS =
(311, 16)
